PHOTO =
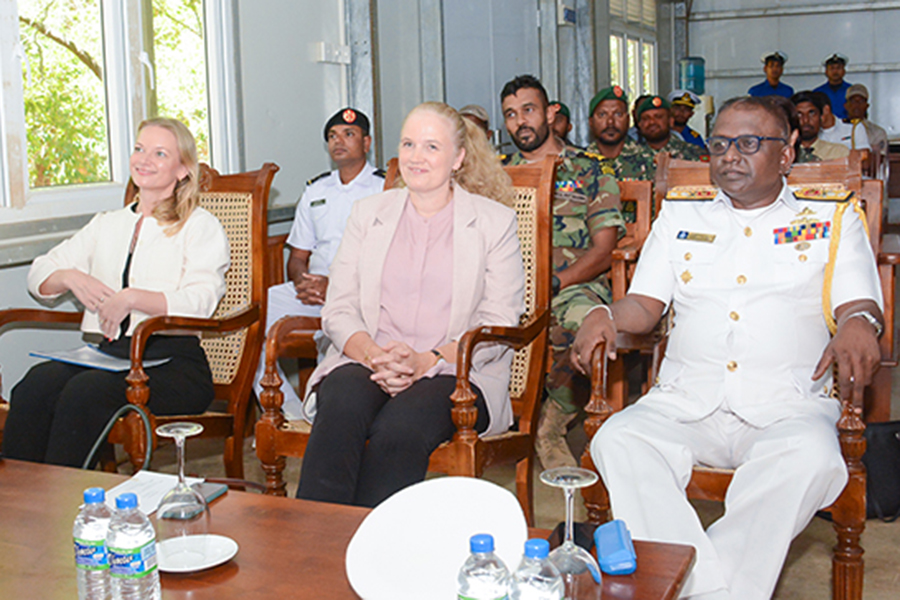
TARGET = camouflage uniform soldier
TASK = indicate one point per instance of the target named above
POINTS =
(618, 154)
(653, 116)
(586, 225)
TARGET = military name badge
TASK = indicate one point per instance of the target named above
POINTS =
(692, 236)
(319, 202)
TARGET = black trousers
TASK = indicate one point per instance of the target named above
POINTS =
(339, 466)
(57, 410)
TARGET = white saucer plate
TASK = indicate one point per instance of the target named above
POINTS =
(194, 553)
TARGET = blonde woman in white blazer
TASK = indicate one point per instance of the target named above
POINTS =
(162, 255)
(418, 266)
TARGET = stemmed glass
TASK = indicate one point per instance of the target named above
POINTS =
(182, 518)
(571, 559)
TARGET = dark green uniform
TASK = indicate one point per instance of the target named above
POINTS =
(680, 149)
(635, 162)
(586, 201)
(806, 155)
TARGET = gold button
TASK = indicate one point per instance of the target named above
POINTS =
(687, 256)
(747, 231)
(734, 316)
(656, 381)
(802, 258)
(732, 366)
(741, 280)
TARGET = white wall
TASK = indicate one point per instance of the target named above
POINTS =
(286, 95)
(732, 47)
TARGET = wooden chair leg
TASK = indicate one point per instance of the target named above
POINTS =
(525, 487)
(849, 511)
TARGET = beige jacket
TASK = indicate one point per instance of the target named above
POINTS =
(488, 284)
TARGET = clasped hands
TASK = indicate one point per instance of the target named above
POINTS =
(311, 289)
(111, 306)
(397, 366)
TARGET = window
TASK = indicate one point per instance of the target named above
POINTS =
(79, 75)
(632, 45)
(632, 64)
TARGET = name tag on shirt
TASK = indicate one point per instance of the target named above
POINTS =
(319, 202)
(691, 236)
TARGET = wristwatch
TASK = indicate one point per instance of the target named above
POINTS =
(870, 318)
(554, 285)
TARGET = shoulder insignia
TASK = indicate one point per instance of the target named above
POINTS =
(594, 155)
(504, 159)
(692, 192)
(694, 134)
(826, 192)
(379, 173)
(318, 177)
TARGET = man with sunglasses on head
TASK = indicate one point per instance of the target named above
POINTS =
(770, 288)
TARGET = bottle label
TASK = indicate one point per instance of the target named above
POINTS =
(90, 555)
(133, 563)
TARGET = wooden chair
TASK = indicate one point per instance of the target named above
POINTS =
(232, 337)
(849, 511)
(467, 453)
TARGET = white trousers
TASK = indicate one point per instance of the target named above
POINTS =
(282, 301)
(784, 473)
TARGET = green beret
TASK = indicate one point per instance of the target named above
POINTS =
(613, 92)
(651, 103)
(563, 109)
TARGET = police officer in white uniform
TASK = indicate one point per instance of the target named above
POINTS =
(746, 380)
(318, 227)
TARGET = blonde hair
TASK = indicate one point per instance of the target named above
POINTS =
(480, 172)
(174, 211)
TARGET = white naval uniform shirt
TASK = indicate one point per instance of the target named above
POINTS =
(749, 327)
(323, 211)
(852, 135)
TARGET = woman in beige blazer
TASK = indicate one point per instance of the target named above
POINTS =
(418, 266)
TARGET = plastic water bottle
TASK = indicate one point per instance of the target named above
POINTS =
(132, 552)
(483, 576)
(536, 578)
(89, 535)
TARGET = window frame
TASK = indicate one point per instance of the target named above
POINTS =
(125, 81)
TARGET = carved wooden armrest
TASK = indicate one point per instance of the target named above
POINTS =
(138, 393)
(628, 253)
(289, 336)
(464, 412)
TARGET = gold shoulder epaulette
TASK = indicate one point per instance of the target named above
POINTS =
(823, 192)
(692, 192)
(318, 177)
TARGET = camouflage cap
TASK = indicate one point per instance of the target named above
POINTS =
(651, 103)
(563, 109)
(348, 116)
(613, 92)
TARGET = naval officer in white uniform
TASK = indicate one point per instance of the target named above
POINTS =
(317, 230)
(746, 380)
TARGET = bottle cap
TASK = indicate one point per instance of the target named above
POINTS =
(94, 495)
(126, 500)
(481, 542)
(537, 548)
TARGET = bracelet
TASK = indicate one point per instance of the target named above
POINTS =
(439, 356)
(868, 317)
(603, 306)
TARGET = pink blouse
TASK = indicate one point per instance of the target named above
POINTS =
(417, 283)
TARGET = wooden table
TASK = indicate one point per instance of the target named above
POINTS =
(288, 548)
